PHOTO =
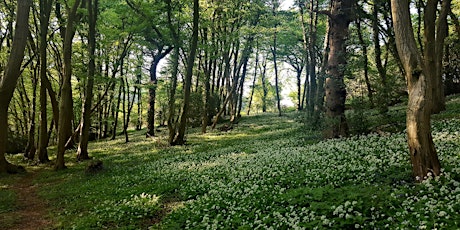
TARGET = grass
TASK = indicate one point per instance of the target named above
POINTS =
(267, 173)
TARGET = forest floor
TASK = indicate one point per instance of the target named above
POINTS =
(268, 172)
(30, 211)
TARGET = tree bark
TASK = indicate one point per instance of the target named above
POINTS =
(383, 100)
(10, 77)
(312, 56)
(152, 89)
(439, 100)
(82, 151)
(339, 19)
(366, 63)
(45, 11)
(180, 137)
(66, 103)
(421, 147)
(274, 53)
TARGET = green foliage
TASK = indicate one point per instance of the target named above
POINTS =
(237, 180)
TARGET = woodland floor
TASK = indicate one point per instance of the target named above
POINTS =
(268, 172)
(31, 212)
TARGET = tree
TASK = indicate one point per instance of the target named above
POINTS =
(274, 53)
(340, 16)
(10, 77)
(45, 11)
(420, 74)
(82, 152)
(65, 102)
(180, 136)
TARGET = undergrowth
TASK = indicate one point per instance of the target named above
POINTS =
(266, 173)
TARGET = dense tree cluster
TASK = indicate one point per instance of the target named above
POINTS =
(92, 69)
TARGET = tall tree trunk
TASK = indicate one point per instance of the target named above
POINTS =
(253, 87)
(339, 19)
(420, 80)
(277, 89)
(66, 103)
(439, 100)
(312, 56)
(82, 151)
(319, 94)
(31, 148)
(175, 69)
(383, 100)
(116, 107)
(152, 89)
(264, 85)
(366, 63)
(45, 11)
(180, 137)
(10, 77)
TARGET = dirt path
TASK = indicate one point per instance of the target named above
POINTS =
(32, 211)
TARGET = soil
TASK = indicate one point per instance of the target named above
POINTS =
(31, 212)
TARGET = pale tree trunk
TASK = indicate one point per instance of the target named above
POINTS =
(420, 82)
(180, 137)
(65, 103)
(10, 77)
(82, 151)
(339, 20)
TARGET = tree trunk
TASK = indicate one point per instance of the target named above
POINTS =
(383, 100)
(31, 148)
(339, 19)
(152, 89)
(439, 100)
(366, 63)
(116, 107)
(82, 151)
(45, 11)
(312, 56)
(180, 137)
(66, 103)
(421, 148)
(10, 77)
(253, 87)
(278, 98)
(319, 94)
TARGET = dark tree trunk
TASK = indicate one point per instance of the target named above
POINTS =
(339, 19)
(312, 57)
(383, 101)
(45, 11)
(366, 63)
(10, 77)
(180, 137)
(82, 151)
(31, 148)
(152, 89)
(278, 98)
